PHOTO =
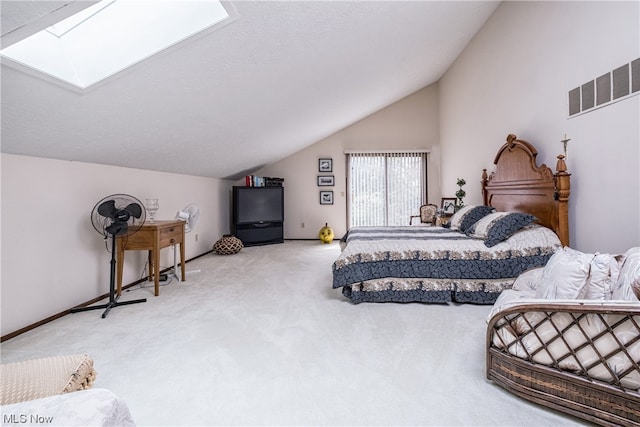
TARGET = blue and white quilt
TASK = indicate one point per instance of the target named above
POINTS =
(435, 264)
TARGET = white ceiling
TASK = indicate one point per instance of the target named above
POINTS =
(280, 77)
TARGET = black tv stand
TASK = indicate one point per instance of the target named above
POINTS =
(264, 233)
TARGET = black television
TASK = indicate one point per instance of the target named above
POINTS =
(258, 205)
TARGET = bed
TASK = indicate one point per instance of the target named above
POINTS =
(439, 265)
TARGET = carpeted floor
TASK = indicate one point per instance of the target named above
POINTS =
(260, 338)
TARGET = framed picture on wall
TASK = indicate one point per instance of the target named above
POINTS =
(326, 197)
(448, 205)
(325, 165)
(326, 181)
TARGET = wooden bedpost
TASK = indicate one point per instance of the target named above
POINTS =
(485, 180)
(562, 191)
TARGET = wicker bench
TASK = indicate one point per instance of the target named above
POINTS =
(579, 356)
(612, 402)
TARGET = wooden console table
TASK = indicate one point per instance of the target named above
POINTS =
(152, 237)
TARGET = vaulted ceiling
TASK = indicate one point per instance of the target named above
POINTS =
(280, 77)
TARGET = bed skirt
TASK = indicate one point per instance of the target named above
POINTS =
(427, 290)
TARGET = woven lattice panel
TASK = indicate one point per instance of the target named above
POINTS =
(602, 346)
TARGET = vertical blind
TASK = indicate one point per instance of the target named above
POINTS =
(385, 188)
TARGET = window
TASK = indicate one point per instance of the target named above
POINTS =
(385, 188)
(112, 35)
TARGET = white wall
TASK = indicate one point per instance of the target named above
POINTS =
(410, 123)
(514, 77)
(53, 259)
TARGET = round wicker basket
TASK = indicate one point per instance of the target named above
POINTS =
(228, 245)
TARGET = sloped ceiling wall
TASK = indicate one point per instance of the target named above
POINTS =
(280, 77)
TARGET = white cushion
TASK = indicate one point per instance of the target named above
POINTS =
(565, 275)
(508, 298)
(93, 407)
(605, 269)
(627, 286)
(528, 280)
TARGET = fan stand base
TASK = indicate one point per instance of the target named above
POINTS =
(108, 306)
(113, 300)
(174, 271)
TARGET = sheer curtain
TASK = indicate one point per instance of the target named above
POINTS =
(385, 188)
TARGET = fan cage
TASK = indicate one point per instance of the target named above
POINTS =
(121, 201)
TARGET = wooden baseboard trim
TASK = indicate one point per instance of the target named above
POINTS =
(84, 304)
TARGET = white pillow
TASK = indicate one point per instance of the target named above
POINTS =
(508, 298)
(605, 269)
(528, 280)
(565, 275)
(627, 286)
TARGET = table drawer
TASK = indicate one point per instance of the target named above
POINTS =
(137, 239)
(170, 236)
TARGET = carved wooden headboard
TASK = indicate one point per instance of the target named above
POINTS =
(519, 185)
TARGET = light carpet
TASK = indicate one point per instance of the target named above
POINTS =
(261, 338)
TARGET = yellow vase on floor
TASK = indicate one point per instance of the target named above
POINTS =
(326, 234)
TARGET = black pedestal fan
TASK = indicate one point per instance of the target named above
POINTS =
(118, 215)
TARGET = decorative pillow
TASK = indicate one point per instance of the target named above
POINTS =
(565, 275)
(627, 286)
(469, 215)
(498, 226)
(458, 216)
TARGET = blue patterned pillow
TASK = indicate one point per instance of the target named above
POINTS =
(475, 215)
(467, 216)
(498, 226)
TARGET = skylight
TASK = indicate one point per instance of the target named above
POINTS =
(112, 35)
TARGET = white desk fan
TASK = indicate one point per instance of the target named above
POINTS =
(189, 214)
